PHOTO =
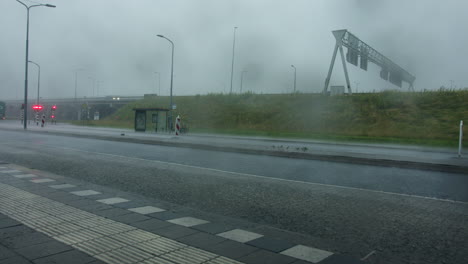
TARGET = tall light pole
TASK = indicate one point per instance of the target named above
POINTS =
(38, 80)
(172, 79)
(27, 59)
(242, 80)
(233, 53)
(159, 80)
(295, 75)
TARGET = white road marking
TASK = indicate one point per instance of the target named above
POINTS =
(264, 177)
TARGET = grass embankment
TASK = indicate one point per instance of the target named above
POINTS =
(422, 118)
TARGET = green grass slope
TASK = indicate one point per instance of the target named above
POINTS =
(429, 118)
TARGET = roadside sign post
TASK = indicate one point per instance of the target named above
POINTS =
(177, 130)
(460, 139)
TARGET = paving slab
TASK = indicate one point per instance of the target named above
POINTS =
(85, 193)
(233, 249)
(146, 210)
(15, 260)
(6, 253)
(132, 218)
(201, 240)
(213, 228)
(175, 231)
(310, 254)
(62, 186)
(271, 244)
(43, 250)
(266, 257)
(341, 259)
(188, 221)
(166, 215)
(69, 257)
(240, 235)
(151, 224)
(113, 200)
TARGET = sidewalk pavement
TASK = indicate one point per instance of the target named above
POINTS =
(439, 159)
(56, 219)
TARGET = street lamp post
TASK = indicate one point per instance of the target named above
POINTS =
(38, 80)
(159, 85)
(27, 60)
(172, 79)
(233, 53)
(242, 80)
(295, 74)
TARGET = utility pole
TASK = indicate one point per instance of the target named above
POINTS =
(233, 53)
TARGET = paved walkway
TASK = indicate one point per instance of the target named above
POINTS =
(47, 220)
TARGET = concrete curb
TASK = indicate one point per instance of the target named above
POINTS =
(331, 157)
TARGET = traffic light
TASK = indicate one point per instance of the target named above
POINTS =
(54, 107)
(37, 108)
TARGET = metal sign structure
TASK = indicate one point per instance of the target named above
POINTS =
(359, 51)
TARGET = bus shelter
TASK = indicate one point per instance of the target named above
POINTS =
(155, 119)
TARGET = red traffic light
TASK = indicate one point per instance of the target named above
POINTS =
(54, 107)
(52, 116)
(37, 107)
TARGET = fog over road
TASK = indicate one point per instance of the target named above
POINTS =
(341, 207)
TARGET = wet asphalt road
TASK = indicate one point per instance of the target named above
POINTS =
(348, 220)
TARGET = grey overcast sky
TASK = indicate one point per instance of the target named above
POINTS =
(115, 42)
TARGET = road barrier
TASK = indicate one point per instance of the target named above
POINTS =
(460, 139)
(177, 131)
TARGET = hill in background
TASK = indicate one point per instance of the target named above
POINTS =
(430, 117)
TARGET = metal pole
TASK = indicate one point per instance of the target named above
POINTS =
(345, 68)
(38, 80)
(76, 82)
(330, 70)
(460, 139)
(26, 75)
(233, 53)
(295, 74)
(242, 80)
(26, 61)
(172, 80)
